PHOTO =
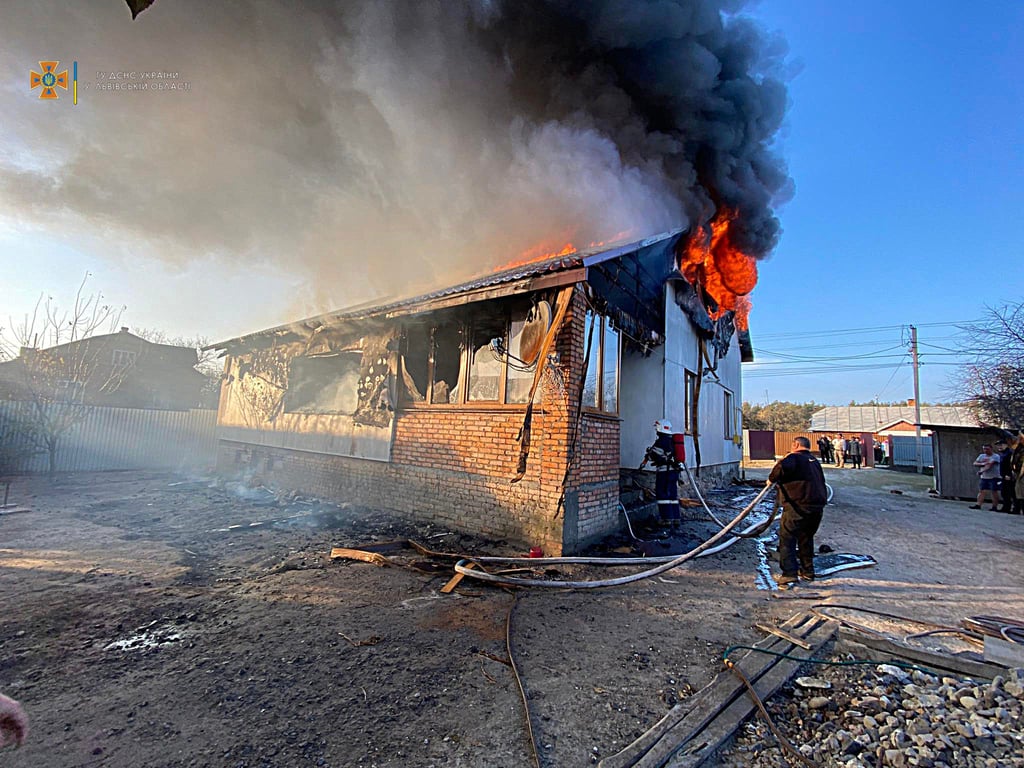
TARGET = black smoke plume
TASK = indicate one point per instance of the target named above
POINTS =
(372, 147)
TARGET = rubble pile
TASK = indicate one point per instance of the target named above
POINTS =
(888, 716)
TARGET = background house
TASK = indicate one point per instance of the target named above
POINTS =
(422, 405)
(114, 369)
(888, 419)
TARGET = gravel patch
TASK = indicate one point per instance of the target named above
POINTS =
(887, 716)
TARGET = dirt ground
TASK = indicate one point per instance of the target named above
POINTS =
(148, 622)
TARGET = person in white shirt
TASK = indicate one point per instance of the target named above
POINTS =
(988, 477)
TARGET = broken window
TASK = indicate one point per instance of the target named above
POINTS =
(324, 384)
(519, 375)
(485, 366)
(465, 355)
(415, 362)
(447, 362)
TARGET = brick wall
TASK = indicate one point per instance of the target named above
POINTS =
(454, 465)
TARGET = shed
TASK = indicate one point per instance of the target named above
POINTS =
(954, 449)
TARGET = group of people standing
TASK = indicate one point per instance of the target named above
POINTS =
(1000, 470)
(839, 450)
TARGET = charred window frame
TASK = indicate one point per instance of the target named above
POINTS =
(601, 379)
(452, 359)
(727, 410)
(690, 394)
(324, 384)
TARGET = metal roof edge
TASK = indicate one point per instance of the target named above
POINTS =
(369, 309)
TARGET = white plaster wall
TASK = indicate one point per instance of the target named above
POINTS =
(682, 352)
(715, 446)
(640, 403)
(655, 386)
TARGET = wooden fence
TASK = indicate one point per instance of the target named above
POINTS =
(116, 438)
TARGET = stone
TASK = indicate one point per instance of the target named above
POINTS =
(816, 683)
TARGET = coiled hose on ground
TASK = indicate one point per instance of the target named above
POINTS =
(666, 563)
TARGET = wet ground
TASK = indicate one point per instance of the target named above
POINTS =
(153, 620)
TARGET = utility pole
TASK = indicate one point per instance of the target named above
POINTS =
(917, 399)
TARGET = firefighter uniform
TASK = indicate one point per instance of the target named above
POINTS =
(666, 474)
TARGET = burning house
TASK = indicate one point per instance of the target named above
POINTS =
(509, 405)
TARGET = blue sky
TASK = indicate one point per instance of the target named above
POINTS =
(903, 137)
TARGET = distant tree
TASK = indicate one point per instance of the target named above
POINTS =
(56, 364)
(779, 416)
(752, 417)
(993, 381)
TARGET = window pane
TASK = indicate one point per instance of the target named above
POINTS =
(447, 362)
(484, 364)
(610, 370)
(519, 378)
(590, 382)
(727, 407)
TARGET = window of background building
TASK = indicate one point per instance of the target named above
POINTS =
(124, 358)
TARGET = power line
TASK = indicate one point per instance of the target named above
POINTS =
(808, 358)
(846, 331)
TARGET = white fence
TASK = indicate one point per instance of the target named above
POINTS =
(118, 438)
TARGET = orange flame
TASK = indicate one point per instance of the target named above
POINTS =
(712, 262)
(544, 251)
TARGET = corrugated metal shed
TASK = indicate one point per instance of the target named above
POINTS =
(874, 418)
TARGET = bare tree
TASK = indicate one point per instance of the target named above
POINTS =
(58, 364)
(993, 380)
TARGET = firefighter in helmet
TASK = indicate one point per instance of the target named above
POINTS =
(662, 455)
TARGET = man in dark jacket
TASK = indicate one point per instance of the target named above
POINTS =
(1005, 454)
(804, 495)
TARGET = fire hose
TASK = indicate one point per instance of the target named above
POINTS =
(667, 563)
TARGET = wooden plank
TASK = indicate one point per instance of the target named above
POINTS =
(724, 688)
(454, 581)
(710, 741)
(999, 651)
(941, 662)
(342, 553)
(784, 635)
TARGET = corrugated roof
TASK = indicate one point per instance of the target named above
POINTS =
(872, 418)
(382, 306)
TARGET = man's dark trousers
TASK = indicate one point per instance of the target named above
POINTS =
(796, 540)
(1009, 495)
